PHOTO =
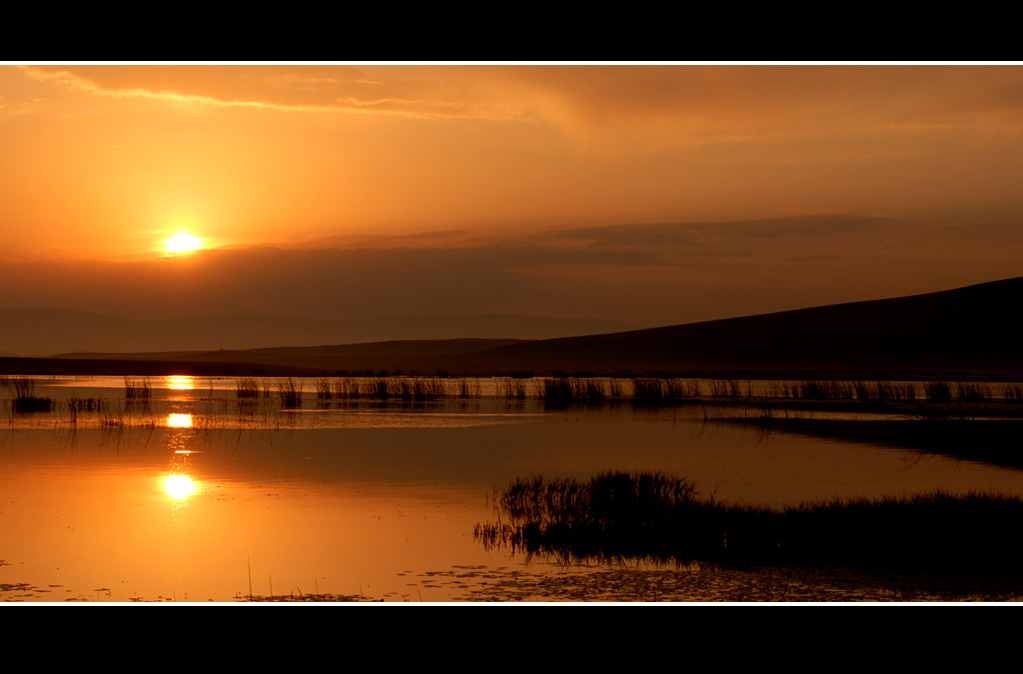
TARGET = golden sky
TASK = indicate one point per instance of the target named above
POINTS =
(783, 185)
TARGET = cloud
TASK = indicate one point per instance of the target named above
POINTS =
(699, 234)
(297, 88)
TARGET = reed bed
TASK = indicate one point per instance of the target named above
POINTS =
(938, 392)
(346, 388)
(1013, 392)
(565, 390)
(324, 389)
(417, 389)
(652, 389)
(468, 388)
(656, 516)
(569, 389)
(514, 389)
(249, 388)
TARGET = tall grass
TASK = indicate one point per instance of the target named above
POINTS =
(938, 392)
(324, 390)
(514, 388)
(1013, 392)
(468, 388)
(653, 389)
(247, 387)
(290, 393)
(616, 516)
(138, 388)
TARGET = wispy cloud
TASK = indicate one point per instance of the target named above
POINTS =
(313, 89)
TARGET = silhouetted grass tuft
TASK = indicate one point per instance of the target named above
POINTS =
(25, 399)
(655, 516)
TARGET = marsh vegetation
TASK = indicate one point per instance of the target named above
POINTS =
(618, 516)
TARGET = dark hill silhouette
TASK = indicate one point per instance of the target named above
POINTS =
(967, 332)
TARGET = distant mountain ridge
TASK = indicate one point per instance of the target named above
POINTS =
(961, 333)
(44, 332)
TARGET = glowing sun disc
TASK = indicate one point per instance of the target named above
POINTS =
(182, 243)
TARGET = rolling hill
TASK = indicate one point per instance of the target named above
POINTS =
(961, 333)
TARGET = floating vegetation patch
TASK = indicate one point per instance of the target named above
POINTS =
(662, 518)
(308, 598)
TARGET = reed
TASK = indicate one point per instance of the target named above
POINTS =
(25, 399)
(417, 389)
(828, 390)
(938, 392)
(84, 404)
(290, 393)
(1013, 392)
(346, 388)
(378, 388)
(514, 388)
(656, 516)
(111, 417)
(724, 388)
(468, 388)
(247, 387)
(556, 390)
(324, 391)
(138, 388)
(647, 388)
(971, 393)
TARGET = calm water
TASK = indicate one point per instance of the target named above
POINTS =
(199, 496)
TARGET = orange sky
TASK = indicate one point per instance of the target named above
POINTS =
(815, 183)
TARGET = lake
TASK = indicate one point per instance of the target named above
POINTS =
(185, 491)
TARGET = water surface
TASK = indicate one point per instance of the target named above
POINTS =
(196, 495)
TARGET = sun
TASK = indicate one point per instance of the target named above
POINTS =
(182, 243)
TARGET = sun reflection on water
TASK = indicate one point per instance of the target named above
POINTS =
(176, 420)
(181, 383)
(179, 487)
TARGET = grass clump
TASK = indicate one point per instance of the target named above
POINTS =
(25, 398)
(655, 516)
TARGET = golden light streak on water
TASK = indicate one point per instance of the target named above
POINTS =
(176, 420)
(180, 383)
(179, 487)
